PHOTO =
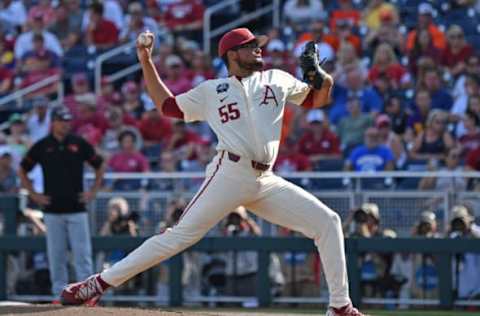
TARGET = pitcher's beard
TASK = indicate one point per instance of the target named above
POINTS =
(251, 66)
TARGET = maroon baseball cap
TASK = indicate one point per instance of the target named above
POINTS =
(238, 37)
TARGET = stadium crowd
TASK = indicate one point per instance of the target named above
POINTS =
(406, 94)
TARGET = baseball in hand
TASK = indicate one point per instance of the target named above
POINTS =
(145, 38)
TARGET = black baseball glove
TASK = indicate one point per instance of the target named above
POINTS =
(313, 72)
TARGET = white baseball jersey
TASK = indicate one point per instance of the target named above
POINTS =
(246, 114)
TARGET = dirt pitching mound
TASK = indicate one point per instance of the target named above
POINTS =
(54, 310)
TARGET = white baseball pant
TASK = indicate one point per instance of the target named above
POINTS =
(231, 184)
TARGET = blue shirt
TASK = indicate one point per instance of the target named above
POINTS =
(370, 159)
(370, 101)
(441, 100)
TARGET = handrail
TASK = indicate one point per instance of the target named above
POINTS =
(17, 95)
(291, 175)
(208, 33)
(103, 57)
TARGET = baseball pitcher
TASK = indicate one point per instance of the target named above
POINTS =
(245, 111)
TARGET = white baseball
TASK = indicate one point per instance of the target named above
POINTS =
(145, 39)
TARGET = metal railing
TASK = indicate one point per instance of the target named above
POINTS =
(298, 175)
(444, 249)
(20, 94)
(208, 33)
(401, 208)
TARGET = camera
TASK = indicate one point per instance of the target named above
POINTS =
(233, 224)
(424, 228)
(458, 226)
(360, 216)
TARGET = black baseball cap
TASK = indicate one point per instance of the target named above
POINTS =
(61, 113)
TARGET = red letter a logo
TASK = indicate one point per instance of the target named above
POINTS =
(269, 94)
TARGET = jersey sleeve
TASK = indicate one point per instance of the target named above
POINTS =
(192, 103)
(89, 154)
(297, 91)
(32, 157)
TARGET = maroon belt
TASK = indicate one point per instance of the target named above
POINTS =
(255, 164)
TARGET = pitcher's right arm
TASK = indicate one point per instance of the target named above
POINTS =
(156, 88)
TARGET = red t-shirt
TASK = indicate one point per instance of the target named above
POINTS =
(183, 12)
(395, 71)
(470, 142)
(97, 120)
(188, 138)
(158, 129)
(450, 59)
(178, 86)
(292, 162)
(105, 33)
(5, 73)
(473, 159)
(128, 162)
(327, 144)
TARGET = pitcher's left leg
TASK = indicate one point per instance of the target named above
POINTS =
(288, 205)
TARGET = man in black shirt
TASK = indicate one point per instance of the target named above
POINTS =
(62, 156)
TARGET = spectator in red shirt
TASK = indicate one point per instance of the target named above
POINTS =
(87, 115)
(290, 159)
(385, 63)
(128, 159)
(185, 17)
(318, 142)
(472, 163)
(183, 141)
(174, 78)
(473, 160)
(471, 139)
(457, 51)
(101, 33)
(155, 129)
